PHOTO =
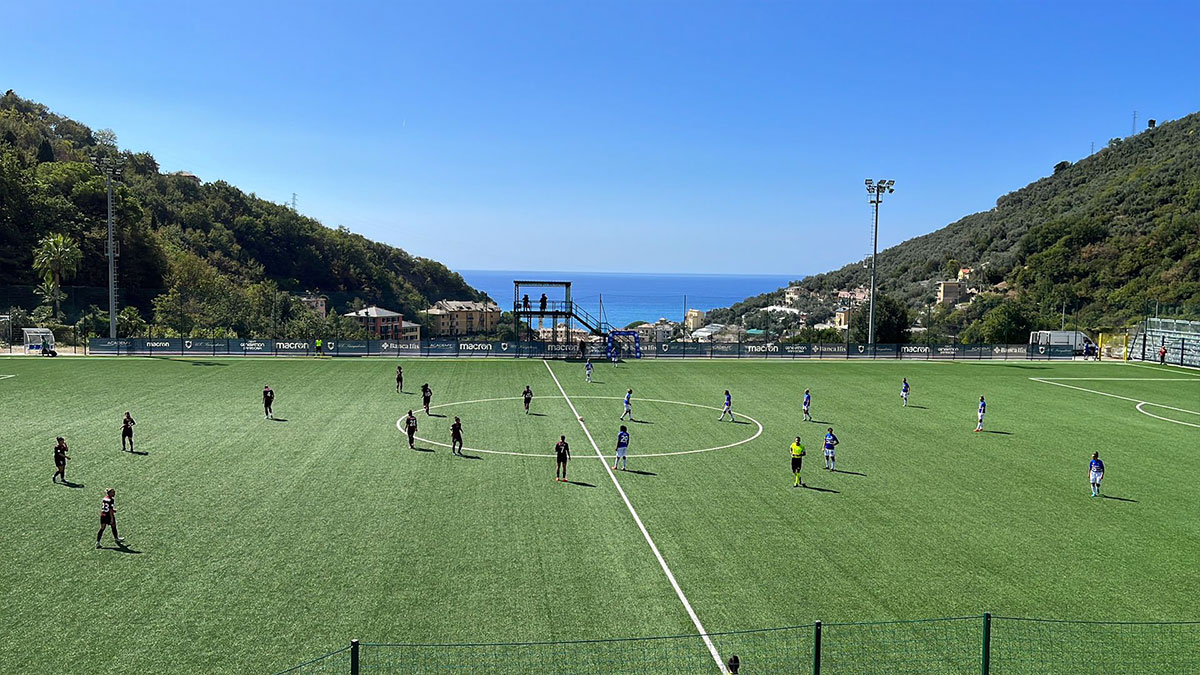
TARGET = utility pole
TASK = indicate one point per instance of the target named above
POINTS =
(876, 190)
(111, 168)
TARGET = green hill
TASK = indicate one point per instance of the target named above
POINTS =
(224, 256)
(1109, 236)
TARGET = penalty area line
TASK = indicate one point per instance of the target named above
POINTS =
(712, 648)
(1137, 407)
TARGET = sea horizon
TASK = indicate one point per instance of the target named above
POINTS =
(622, 298)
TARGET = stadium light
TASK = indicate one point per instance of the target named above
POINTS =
(111, 168)
(876, 189)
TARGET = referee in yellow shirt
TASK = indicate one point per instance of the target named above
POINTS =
(797, 460)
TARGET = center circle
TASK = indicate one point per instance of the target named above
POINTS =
(757, 433)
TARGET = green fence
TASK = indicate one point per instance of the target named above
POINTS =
(977, 644)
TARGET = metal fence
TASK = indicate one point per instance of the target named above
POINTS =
(547, 350)
(978, 644)
(1168, 341)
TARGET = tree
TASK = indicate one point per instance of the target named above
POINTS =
(891, 321)
(56, 257)
(130, 322)
(1007, 324)
(45, 152)
(1062, 166)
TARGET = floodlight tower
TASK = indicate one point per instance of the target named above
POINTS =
(111, 168)
(876, 190)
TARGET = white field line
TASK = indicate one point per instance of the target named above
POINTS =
(1139, 403)
(5, 377)
(712, 649)
(1178, 370)
(1125, 379)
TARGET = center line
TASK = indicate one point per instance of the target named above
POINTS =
(712, 649)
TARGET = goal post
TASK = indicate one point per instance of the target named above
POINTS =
(1115, 346)
(628, 340)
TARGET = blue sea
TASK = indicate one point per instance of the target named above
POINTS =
(625, 298)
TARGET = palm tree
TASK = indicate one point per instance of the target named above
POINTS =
(56, 257)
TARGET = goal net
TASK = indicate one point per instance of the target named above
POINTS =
(1114, 346)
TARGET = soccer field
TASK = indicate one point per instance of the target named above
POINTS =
(254, 545)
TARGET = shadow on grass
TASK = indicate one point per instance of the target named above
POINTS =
(640, 473)
(423, 449)
(850, 473)
(577, 482)
(1001, 433)
(435, 415)
(121, 548)
(72, 485)
(470, 456)
(918, 407)
(820, 422)
(820, 489)
(740, 422)
(278, 419)
(177, 359)
(533, 414)
(1120, 499)
(594, 382)
(143, 453)
(641, 421)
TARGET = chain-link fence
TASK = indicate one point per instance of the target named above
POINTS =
(977, 644)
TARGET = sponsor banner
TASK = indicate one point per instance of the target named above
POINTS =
(108, 346)
(830, 350)
(439, 347)
(396, 347)
(857, 350)
(914, 351)
(943, 351)
(724, 350)
(250, 346)
(561, 351)
(475, 348)
(795, 350)
(1010, 351)
(346, 347)
(158, 345)
(1062, 352)
(205, 346)
(887, 351)
(974, 352)
(293, 346)
(760, 349)
(532, 350)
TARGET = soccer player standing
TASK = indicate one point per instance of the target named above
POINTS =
(807, 404)
(399, 379)
(268, 402)
(904, 391)
(127, 431)
(108, 516)
(410, 427)
(797, 461)
(728, 409)
(60, 461)
(982, 411)
(622, 447)
(562, 455)
(456, 437)
(587, 368)
(426, 395)
(831, 442)
(527, 396)
(1095, 473)
(628, 405)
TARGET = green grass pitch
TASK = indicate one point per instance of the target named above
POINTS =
(256, 544)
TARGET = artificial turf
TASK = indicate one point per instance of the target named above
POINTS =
(255, 544)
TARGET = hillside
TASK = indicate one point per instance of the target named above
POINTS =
(224, 255)
(1110, 236)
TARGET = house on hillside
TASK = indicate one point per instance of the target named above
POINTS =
(950, 292)
(693, 320)
(966, 274)
(464, 317)
(793, 293)
(383, 323)
(315, 303)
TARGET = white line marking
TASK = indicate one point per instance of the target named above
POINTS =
(5, 377)
(712, 649)
(1139, 402)
(1178, 370)
(1127, 379)
(400, 426)
(1165, 419)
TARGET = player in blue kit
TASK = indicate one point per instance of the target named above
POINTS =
(1095, 473)
(807, 403)
(831, 442)
(728, 409)
(587, 368)
(904, 391)
(628, 406)
(982, 411)
(622, 447)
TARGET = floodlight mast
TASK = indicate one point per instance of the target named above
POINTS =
(111, 169)
(876, 189)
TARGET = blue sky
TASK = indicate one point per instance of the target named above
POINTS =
(727, 137)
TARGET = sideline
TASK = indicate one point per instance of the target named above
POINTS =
(1137, 407)
(712, 649)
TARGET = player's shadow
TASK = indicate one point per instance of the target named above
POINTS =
(533, 414)
(596, 382)
(821, 422)
(278, 419)
(121, 548)
(1001, 433)
(420, 449)
(435, 415)
(640, 473)
(820, 489)
(579, 483)
(641, 421)
(1120, 499)
(918, 407)
(143, 453)
(73, 485)
(465, 456)
(850, 473)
